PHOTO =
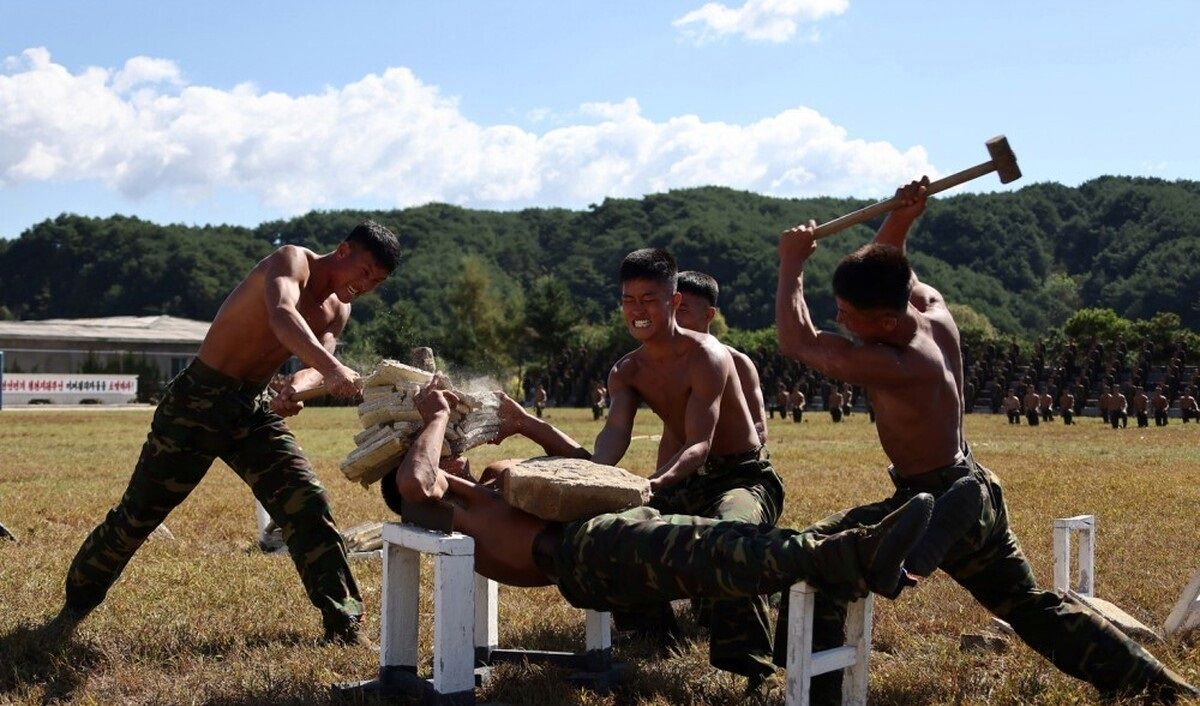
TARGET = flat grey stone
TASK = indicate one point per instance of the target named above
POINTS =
(567, 489)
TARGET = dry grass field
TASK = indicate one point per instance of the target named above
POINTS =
(204, 619)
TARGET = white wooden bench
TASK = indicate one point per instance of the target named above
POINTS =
(466, 629)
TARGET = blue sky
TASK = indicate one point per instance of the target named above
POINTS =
(244, 112)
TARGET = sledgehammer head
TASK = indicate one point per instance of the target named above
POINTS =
(1003, 159)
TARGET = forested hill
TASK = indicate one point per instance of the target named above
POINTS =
(1025, 259)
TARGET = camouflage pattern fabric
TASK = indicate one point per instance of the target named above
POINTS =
(744, 488)
(987, 561)
(640, 557)
(207, 415)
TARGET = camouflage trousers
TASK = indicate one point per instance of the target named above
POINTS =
(745, 489)
(989, 563)
(207, 415)
(639, 557)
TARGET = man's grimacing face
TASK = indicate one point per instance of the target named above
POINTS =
(647, 306)
(866, 325)
(358, 272)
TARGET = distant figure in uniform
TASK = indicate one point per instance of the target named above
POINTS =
(1047, 407)
(1118, 409)
(835, 405)
(1106, 399)
(1012, 407)
(1032, 401)
(539, 400)
(847, 400)
(797, 401)
(1159, 403)
(1066, 403)
(1141, 404)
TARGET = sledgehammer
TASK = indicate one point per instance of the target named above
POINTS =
(1002, 161)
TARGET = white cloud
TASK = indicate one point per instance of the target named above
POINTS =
(391, 140)
(757, 20)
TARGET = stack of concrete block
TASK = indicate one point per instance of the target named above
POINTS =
(390, 421)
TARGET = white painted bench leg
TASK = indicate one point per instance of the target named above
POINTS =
(598, 633)
(487, 621)
(860, 615)
(801, 601)
(1186, 613)
(454, 624)
(853, 657)
(399, 616)
(1064, 527)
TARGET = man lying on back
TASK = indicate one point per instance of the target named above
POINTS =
(640, 557)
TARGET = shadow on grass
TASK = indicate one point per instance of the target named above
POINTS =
(36, 656)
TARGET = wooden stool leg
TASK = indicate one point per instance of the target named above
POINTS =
(399, 613)
(454, 624)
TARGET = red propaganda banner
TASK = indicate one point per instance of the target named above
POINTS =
(58, 383)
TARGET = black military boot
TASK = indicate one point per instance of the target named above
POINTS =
(883, 548)
(955, 513)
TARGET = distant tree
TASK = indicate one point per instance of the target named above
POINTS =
(550, 318)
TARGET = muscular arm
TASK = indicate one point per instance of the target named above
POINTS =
(894, 232)
(709, 368)
(668, 446)
(752, 391)
(613, 440)
(419, 477)
(285, 270)
(829, 353)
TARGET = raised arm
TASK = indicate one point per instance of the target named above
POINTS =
(419, 478)
(894, 232)
(799, 338)
(709, 367)
(515, 420)
(286, 268)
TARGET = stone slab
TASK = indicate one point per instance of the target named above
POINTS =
(567, 489)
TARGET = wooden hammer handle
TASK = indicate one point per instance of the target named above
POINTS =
(865, 214)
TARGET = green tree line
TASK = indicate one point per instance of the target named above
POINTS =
(491, 289)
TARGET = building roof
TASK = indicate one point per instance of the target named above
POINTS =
(115, 329)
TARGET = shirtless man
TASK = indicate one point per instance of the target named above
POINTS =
(910, 363)
(1031, 402)
(1012, 407)
(598, 395)
(640, 557)
(798, 402)
(1106, 399)
(834, 403)
(1046, 406)
(1187, 407)
(294, 302)
(717, 468)
(1066, 403)
(539, 400)
(698, 295)
(1141, 404)
(781, 401)
(1118, 409)
(1160, 404)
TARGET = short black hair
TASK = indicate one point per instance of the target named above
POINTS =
(649, 263)
(699, 284)
(875, 276)
(379, 241)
